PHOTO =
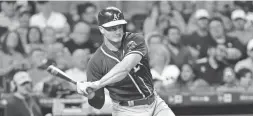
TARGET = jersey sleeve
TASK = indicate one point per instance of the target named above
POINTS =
(94, 73)
(137, 45)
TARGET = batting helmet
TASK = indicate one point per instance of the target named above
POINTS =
(111, 16)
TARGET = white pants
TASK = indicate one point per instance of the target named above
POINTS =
(157, 108)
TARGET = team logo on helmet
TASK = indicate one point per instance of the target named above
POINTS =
(116, 17)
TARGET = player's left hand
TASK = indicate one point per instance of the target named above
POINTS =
(81, 88)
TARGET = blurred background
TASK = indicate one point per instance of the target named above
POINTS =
(201, 54)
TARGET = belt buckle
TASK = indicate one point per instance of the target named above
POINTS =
(130, 103)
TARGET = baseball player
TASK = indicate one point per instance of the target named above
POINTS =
(121, 65)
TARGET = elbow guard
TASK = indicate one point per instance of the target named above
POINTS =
(98, 100)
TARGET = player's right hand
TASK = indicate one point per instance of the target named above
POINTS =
(81, 88)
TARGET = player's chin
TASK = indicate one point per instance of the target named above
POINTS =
(117, 40)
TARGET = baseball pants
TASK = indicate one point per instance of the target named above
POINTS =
(157, 108)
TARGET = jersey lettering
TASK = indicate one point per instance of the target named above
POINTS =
(137, 67)
(131, 45)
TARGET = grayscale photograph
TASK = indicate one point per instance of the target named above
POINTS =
(126, 58)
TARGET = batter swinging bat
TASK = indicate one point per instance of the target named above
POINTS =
(59, 73)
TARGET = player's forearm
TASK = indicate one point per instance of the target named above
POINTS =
(117, 73)
(113, 79)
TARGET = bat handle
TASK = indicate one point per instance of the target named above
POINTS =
(89, 90)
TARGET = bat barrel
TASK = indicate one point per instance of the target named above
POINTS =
(57, 72)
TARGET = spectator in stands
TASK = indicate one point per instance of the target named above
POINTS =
(234, 49)
(244, 76)
(163, 11)
(231, 84)
(239, 20)
(213, 9)
(47, 17)
(228, 25)
(29, 6)
(87, 12)
(22, 102)
(180, 54)
(49, 36)
(161, 69)
(238, 17)
(65, 35)
(33, 39)
(12, 44)
(175, 18)
(12, 54)
(54, 48)
(239, 4)
(199, 38)
(34, 35)
(162, 24)
(188, 10)
(72, 15)
(80, 38)
(80, 60)
(245, 5)
(154, 38)
(248, 62)
(8, 17)
(135, 23)
(189, 81)
(150, 22)
(131, 27)
(210, 68)
(164, 74)
(24, 18)
(37, 56)
(44, 83)
(226, 10)
(249, 22)
(60, 55)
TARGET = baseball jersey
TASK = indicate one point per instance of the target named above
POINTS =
(137, 84)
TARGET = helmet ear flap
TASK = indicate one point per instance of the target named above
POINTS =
(101, 29)
(13, 86)
(124, 28)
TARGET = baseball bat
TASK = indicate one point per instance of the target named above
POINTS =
(59, 73)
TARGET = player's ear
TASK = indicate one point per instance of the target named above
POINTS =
(102, 30)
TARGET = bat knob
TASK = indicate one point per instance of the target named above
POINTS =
(89, 90)
(51, 69)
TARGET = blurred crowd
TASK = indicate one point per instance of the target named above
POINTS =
(205, 50)
(34, 36)
(191, 50)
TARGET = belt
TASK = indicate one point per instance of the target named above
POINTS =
(146, 101)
